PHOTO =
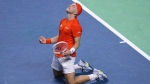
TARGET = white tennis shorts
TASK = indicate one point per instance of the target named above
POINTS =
(65, 64)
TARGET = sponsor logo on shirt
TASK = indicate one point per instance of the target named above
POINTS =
(66, 28)
(79, 32)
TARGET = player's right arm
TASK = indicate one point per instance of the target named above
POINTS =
(44, 40)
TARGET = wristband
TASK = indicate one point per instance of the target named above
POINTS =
(72, 50)
(48, 41)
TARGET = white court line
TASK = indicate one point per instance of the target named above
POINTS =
(114, 31)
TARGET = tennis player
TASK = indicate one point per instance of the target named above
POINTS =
(70, 31)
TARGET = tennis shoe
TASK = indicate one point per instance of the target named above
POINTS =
(101, 75)
(85, 66)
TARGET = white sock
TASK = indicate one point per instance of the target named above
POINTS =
(77, 67)
(93, 76)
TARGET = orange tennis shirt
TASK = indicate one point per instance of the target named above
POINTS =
(68, 30)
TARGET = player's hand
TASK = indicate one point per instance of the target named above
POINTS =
(42, 40)
(66, 53)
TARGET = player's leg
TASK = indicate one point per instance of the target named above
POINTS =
(70, 78)
(69, 72)
(57, 68)
(58, 73)
(97, 75)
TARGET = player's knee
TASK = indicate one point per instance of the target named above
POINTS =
(57, 73)
(57, 76)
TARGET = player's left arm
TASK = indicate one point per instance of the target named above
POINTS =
(75, 46)
(77, 42)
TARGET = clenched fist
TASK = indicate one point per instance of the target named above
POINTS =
(42, 40)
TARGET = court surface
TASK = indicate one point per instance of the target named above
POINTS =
(23, 60)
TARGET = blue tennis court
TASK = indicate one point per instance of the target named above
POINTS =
(23, 60)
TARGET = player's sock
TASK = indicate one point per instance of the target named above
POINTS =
(93, 77)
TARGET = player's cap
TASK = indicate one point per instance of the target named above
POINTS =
(79, 9)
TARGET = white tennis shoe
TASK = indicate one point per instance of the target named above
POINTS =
(85, 66)
(101, 75)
